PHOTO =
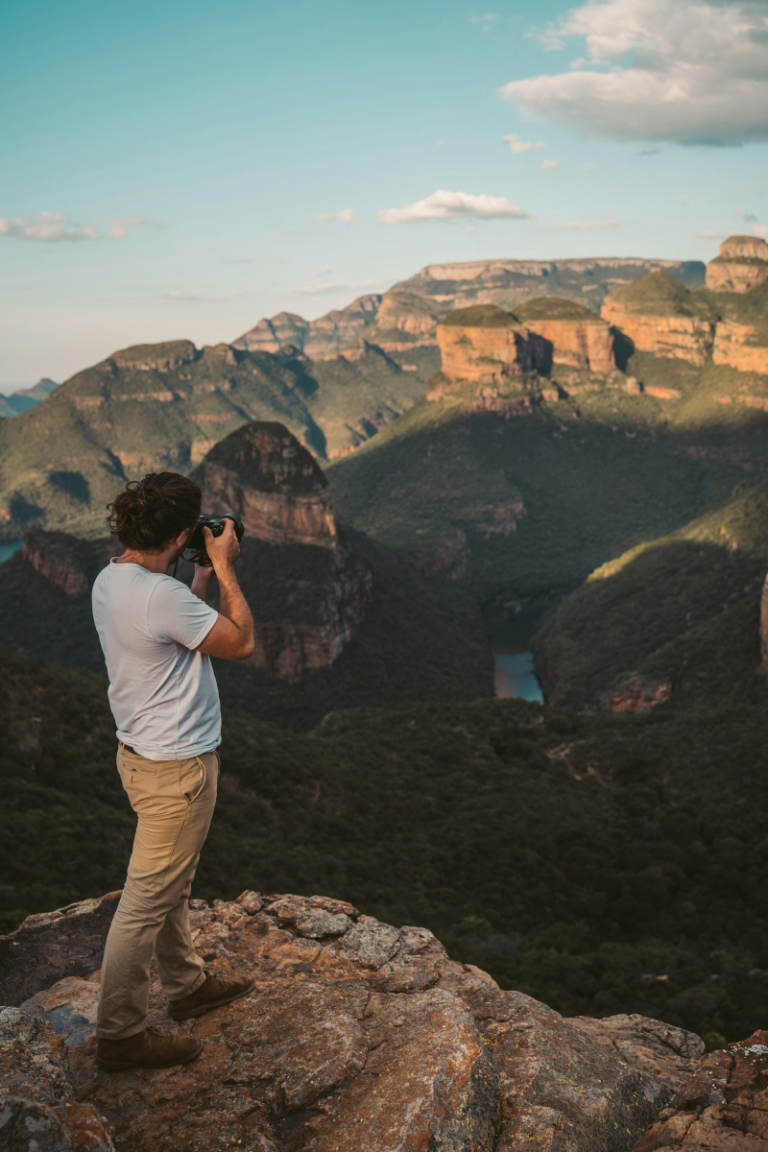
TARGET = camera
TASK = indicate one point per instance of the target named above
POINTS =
(196, 542)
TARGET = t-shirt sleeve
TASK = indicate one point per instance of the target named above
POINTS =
(176, 614)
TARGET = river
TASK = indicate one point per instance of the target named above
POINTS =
(7, 548)
(512, 658)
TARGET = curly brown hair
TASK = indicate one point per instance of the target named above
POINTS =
(149, 513)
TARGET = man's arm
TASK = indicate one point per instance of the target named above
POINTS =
(231, 637)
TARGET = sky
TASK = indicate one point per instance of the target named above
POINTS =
(179, 170)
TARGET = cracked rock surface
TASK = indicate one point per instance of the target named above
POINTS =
(359, 1037)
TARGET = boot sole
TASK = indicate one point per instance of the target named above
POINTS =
(188, 1015)
(129, 1065)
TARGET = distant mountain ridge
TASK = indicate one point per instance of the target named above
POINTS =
(25, 398)
(408, 313)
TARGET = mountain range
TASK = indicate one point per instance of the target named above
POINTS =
(25, 398)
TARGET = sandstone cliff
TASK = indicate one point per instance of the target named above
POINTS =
(742, 346)
(316, 338)
(484, 343)
(358, 1036)
(307, 589)
(741, 266)
(659, 315)
(273, 483)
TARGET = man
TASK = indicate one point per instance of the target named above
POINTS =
(158, 637)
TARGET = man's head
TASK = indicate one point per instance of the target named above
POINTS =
(150, 514)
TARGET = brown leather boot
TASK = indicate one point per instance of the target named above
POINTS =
(147, 1049)
(212, 993)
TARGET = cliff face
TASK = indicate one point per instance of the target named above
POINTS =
(678, 337)
(273, 483)
(358, 1035)
(66, 562)
(307, 590)
(736, 345)
(741, 266)
(316, 338)
(484, 343)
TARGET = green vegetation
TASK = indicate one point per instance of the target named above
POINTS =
(553, 308)
(684, 607)
(659, 294)
(481, 316)
(597, 475)
(62, 461)
(603, 864)
(421, 640)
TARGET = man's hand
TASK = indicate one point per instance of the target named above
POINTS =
(201, 582)
(232, 636)
(222, 550)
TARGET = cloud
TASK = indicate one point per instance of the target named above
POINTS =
(587, 167)
(186, 296)
(255, 259)
(747, 217)
(53, 227)
(582, 225)
(443, 205)
(119, 227)
(549, 164)
(323, 271)
(485, 20)
(689, 71)
(333, 286)
(345, 216)
(761, 230)
(518, 145)
(684, 198)
(48, 228)
(648, 152)
(710, 235)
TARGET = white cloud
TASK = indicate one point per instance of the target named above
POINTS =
(323, 271)
(53, 227)
(48, 228)
(333, 286)
(255, 260)
(518, 145)
(761, 230)
(549, 164)
(683, 199)
(710, 235)
(690, 71)
(119, 227)
(747, 217)
(443, 205)
(186, 296)
(587, 167)
(582, 225)
(345, 216)
(485, 20)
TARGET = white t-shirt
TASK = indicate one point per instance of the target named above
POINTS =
(163, 695)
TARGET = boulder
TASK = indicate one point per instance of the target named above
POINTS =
(723, 1107)
(38, 1109)
(358, 1035)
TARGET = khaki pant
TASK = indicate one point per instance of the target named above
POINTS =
(174, 801)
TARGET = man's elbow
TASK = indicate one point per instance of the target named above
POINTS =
(247, 649)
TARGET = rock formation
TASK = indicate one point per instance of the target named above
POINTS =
(357, 1036)
(722, 1108)
(741, 266)
(484, 343)
(741, 346)
(638, 695)
(273, 483)
(307, 589)
(155, 357)
(658, 314)
(316, 338)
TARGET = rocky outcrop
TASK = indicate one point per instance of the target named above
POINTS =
(492, 519)
(722, 1108)
(474, 353)
(275, 485)
(741, 266)
(307, 607)
(358, 1035)
(65, 561)
(404, 321)
(450, 561)
(740, 346)
(38, 1110)
(485, 343)
(638, 696)
(677, 337)
(316, 338)
(155, 357)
